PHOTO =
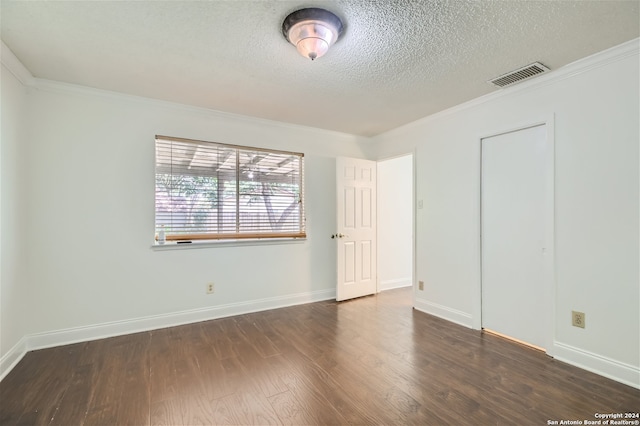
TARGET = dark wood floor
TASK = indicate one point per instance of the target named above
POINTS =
(368, 361)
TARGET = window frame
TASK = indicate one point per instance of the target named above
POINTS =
(238, 235)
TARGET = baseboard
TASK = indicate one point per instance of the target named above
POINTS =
(444, 312)
(12, 357)
(607, 367)
(598, 364)
(391, 284)
(136, 325)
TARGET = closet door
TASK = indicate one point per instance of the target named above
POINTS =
(515, 296)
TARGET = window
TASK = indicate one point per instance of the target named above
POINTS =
(210, 191)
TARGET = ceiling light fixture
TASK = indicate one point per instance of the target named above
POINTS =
(312, 31)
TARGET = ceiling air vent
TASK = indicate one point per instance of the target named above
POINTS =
(520, 74)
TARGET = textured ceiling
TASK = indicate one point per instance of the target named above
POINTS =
(397, 60)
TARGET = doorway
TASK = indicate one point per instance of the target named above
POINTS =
(517, 235)
(395, 222)
(375, 233)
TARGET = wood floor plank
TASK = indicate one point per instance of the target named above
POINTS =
(165, 412)
(265, 373)
(162, 377)
(260, 341)
(321, 399)
(192, 409)
(239, 342)
(217, 339)
(52, 383)
(181, 385)
(250, 408)
(290, 411)
(373, 390)
(120, 391)
(15, 387)
(134, 402)
(79, 392)
(373, 360)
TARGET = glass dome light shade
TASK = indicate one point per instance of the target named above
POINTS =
(312, 31)
(312, 47)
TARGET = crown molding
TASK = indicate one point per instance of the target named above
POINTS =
(13, 64)
(15, 67)
(76, 89)
(605, 57)
(581, 66)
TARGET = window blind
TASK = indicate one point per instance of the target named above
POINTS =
(206, 190)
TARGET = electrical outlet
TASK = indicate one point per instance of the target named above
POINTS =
(577, 319)
(210, 288)
(421, 285)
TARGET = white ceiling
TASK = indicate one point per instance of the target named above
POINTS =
(397, 60)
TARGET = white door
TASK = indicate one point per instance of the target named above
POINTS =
(515, 297)
(356, 233)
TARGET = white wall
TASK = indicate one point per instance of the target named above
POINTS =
(14, 298)
(90, 217)
(95, 180)
(77, 211)
(395, 222)
(596, 108)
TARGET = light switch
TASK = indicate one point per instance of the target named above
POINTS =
(420, 204)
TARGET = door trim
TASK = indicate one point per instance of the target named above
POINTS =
(549, 218)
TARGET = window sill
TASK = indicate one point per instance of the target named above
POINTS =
(226, 243)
